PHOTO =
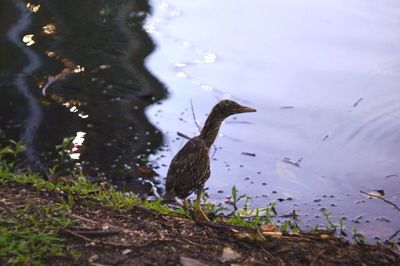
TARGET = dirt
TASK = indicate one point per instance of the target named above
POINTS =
(141, 237)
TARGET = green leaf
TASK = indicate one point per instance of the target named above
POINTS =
(71, 200)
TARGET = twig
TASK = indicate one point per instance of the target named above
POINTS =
(222, 226)
(382, 198)
(289, 161)
(248, 153)
(198, 128)
(116, 244)
(83, 219)
(96, 232)
(180, 134)
(281, 261)
(194, 116)
(189, 242)
(78, 235)
(317, 256)
(272, 256)
(120, 229)
(395, 234)
(214, 152)
(357, 102)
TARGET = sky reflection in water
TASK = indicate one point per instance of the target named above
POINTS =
(324, 77)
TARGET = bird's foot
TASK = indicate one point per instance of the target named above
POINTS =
(200, 215)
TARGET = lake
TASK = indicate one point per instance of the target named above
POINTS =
(324, 78)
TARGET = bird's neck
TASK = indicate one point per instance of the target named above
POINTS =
(210, 130)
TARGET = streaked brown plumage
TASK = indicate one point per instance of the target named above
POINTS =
(190, 168)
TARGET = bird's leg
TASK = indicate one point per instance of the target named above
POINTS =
(197, 209)
(185, 205)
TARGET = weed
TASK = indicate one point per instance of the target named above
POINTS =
(342, 227)
(331, 225)
(29, 235)
(358, 237)
(235, 198)
(246, 216)
(292, 223)
(212, 210)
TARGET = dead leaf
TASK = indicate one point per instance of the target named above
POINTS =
(186, 261)
(273, 234)
(268, 228)
(325, 237)
(228, 254)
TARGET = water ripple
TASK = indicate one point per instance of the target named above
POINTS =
(35, 113)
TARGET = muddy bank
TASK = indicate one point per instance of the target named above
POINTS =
(141, 237)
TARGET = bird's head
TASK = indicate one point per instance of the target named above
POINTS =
(226, 108)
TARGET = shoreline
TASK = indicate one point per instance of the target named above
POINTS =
(102, 226)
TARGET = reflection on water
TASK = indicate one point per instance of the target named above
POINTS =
(73, 69)
(324, 77)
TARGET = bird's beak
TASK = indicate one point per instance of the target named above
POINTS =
(245, 109)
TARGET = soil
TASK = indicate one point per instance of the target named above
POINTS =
(139, 236)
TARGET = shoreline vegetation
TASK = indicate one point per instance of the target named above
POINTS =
(69, 220)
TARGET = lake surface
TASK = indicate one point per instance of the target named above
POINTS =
(72, 72)
(324, 78)
(116, 82)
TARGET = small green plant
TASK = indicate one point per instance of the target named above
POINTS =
(236, 198)
(64, 148)
(331, 225)
(70, 200)
(212, 210)
(29, 235)
(247, 216)
(12, 151)
(292, 223)
(342, 227)
(74, 254)
(358, 237)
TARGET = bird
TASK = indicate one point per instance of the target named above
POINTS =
(190, 167)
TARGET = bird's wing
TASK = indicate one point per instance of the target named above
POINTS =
(189, 169)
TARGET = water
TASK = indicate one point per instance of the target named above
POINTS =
(119, 83)
(324, 78)
(73, 70)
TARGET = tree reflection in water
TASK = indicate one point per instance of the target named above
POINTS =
(85, 75)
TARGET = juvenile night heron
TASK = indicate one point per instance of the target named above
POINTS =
(190, 168)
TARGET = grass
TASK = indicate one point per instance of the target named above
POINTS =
(29, 235)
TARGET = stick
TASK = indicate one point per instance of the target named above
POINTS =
(96, 232)
(78, 235)
(317, 256)
(120, 229)
(222, 226)
(248, 153)
(214, 152)
(180, 134)
(83, 219)
(395, 234)
(357, 102)
(194, 115)
(382, 198)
